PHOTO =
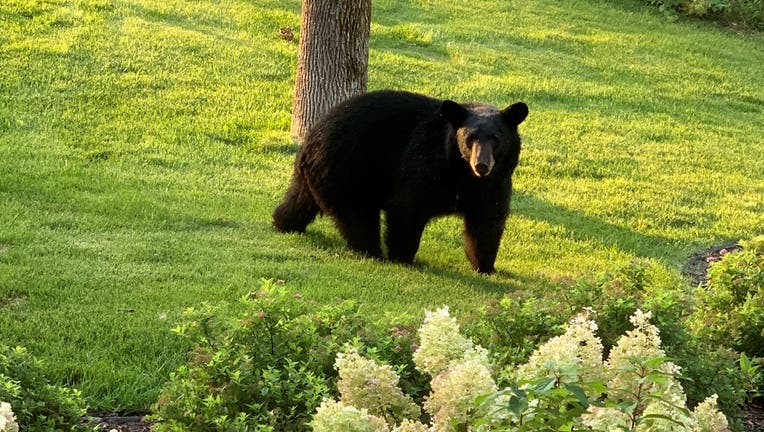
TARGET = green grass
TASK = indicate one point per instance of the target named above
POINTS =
(143, 145)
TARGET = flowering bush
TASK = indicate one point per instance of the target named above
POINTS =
(283, 359)
(560, 388)
(514, 327)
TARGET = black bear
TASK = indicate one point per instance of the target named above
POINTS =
(415, 158)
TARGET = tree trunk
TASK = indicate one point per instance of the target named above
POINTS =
(333, 59)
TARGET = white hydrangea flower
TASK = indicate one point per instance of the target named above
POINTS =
(644, 342)
(7, 418)
(363, 383)
(332, 416)
(452, 400)
(605, 419)
(708, 418)
(440, 342)
(577, 351)
(411, 426)
(661, 408)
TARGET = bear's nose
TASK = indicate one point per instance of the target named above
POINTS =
(481, 169)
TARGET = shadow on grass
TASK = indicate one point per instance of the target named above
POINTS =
(459, 271)
(579, 227)
(587, 228)
(325, 241)
(496, 285)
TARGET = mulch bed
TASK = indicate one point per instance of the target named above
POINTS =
(695, 267)
(753, 418)
(130, 423)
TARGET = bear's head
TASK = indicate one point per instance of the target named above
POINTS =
(485, 135)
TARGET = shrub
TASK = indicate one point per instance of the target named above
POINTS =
(746, 14)
(271, 366)
(38, 405)
(512, 327)
(730, 307)
(562, 387)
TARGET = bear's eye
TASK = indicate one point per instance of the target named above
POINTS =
(471, 139)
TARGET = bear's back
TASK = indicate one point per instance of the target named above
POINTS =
(378, 119)
(360, 144)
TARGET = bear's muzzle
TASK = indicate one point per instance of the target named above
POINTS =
(481, 159)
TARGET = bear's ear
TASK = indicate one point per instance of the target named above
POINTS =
(453, 112)
(515, 113)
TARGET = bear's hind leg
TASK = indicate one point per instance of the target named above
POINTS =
(361, 231)
(298, 209)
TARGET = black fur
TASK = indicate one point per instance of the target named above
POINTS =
(415, 158)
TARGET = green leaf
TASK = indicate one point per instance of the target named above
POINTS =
(659, 416)
(544, 385)
(655, 362)
(579, 393)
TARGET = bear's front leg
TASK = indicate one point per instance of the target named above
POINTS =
(482, 235)
(403, 235)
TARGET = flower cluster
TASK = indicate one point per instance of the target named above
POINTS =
(643, 342)
(440, 343)
(333, 416)
(411, 426)
(637, 370)
(601, 418)
(461, 371)
(573, 356)
(7, 418)
(708, 418)
(364, 383)
(454, 391)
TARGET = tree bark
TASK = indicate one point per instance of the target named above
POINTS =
(333, 58)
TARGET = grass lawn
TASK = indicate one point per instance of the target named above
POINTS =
(144, 144)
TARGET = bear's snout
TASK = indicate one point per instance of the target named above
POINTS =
(481, 169)
(481, 159)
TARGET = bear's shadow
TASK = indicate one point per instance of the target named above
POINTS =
(580, 227)
(499, 283)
